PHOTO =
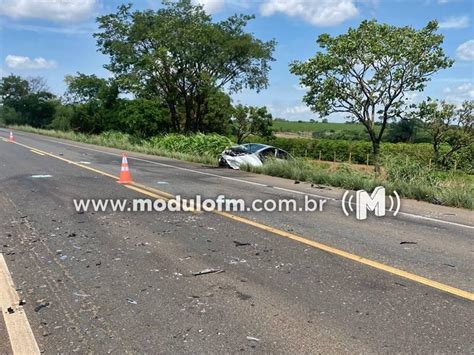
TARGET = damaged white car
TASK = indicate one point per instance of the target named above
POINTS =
(253, 154)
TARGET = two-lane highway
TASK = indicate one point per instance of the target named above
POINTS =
(292, 282)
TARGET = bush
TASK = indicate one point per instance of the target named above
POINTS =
(62, 118)
(143, 118)
(9, 116)
(211, 144)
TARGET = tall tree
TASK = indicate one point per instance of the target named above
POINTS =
(178, 55)
(368, 71)
(447, 124)
(26, 101)
(12, 89)
(251, 120)
(94, 101)
(404, 130)
(84, 88)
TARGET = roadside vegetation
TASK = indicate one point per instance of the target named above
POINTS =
(176, 146)
(409, 177)
(165, 99)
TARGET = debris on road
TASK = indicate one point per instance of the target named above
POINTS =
(22, 302)
(407, 242)
(131, 301)
(41, 306)
(41, 176)
(207, 271)
(322, 187)
(241, 244)
(253, 339)
(10, 310)
(236, 260)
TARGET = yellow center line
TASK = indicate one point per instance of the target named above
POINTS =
(146, 192)
(152, 192)
(36, 152)
(359, 259)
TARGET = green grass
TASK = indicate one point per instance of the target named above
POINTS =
(410, 178)
(126, 142)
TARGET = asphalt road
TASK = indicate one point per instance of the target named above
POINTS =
(123, 282)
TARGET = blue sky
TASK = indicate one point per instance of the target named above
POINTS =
(53, 38)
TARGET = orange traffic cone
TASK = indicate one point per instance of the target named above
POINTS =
(125, 176)
(12, 138)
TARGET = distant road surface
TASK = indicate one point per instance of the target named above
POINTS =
(290, 282)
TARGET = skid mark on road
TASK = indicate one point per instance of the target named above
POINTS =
(152, 192)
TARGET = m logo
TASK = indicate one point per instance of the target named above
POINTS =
(374, 202)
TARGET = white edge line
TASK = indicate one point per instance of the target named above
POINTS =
(22, 339)
(304, 193)
(435, 220)
(251, 182)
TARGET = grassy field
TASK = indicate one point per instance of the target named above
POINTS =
(294, 126)
(336, 131)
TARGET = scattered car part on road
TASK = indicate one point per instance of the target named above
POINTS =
(131, 301)
(208, 271)
(41, 176)
(241, 244)
(253, 339)
(41, 306)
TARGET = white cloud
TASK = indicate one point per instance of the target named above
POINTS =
(466, 90)
(319, 13)
(67, 30)
(20, 62)
(210, 6)
(459, 93)
(466, 50)
(455, 22)
(296, 110)
(55, 10)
